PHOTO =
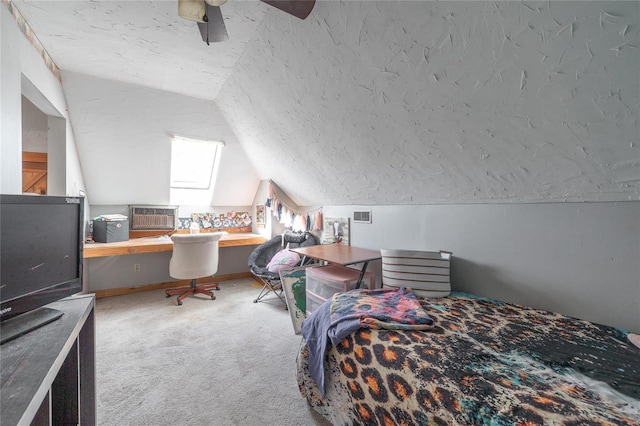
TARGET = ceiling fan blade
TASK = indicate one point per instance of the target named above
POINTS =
(213, 30)
(298, 8)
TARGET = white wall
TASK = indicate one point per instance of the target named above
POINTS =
(124, 141)
(34, 127)
(20, 63)
(10, 101)
(580, 259)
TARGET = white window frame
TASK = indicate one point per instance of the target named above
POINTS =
(193, 155)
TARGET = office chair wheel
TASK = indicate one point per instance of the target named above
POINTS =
(213, 297)
(255, 301)
(167, 296)
(179, 302)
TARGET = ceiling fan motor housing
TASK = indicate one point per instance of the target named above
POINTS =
(193, 10)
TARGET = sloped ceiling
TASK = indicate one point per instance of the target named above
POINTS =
(389, 102)
(447, 102)
(141, 42)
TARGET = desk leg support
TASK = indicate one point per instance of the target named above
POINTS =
(362, 271)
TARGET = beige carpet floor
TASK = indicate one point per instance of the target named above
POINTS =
(223, 362)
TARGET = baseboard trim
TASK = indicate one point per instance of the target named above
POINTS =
(158, 286)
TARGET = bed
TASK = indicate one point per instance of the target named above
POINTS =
(484, 362)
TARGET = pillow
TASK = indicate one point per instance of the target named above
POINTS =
(284, 259)
(425, 272)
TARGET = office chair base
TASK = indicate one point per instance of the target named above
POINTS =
(194, 288)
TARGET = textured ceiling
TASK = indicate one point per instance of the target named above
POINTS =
(387, 102)
(444, 102)
(142, 42)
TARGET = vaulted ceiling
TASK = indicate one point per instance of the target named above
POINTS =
(364, 102)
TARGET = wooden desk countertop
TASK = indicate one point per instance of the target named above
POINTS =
(338, 253)
(160, 244)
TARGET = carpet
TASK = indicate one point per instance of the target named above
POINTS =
(227, 361)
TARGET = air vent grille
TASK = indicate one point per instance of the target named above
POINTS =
(153, 218)
(362, 217)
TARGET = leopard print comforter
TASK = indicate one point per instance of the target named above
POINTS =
(485, 363)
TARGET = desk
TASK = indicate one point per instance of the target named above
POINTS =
(341, 255)
(160, 244)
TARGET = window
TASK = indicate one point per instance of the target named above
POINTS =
(194, 164)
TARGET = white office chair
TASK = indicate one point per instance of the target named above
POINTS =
(194, 256)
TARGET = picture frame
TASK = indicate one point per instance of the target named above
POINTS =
(294, 286)
(261, 215)
(335, 230)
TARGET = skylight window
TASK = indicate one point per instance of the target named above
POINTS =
(194, 164)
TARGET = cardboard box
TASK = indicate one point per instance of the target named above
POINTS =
(110, 231)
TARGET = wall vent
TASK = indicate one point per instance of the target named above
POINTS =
(362, 217)
(148, 218)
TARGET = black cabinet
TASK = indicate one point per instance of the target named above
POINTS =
(48, 375)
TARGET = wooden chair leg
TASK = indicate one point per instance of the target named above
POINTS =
(200, 290)
(211, 286)
(183, 295)
(194, 288)
(174, 291)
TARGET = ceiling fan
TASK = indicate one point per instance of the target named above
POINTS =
(209, 18)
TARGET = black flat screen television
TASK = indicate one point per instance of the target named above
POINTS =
(41, 240)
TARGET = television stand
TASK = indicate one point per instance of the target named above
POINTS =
(26, 322)
(47, 376)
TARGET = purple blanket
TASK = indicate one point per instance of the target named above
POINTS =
(344, 313)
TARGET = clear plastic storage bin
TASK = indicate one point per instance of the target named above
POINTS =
(324, 281)
(313, 302)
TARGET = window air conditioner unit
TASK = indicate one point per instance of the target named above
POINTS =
(152, 218)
